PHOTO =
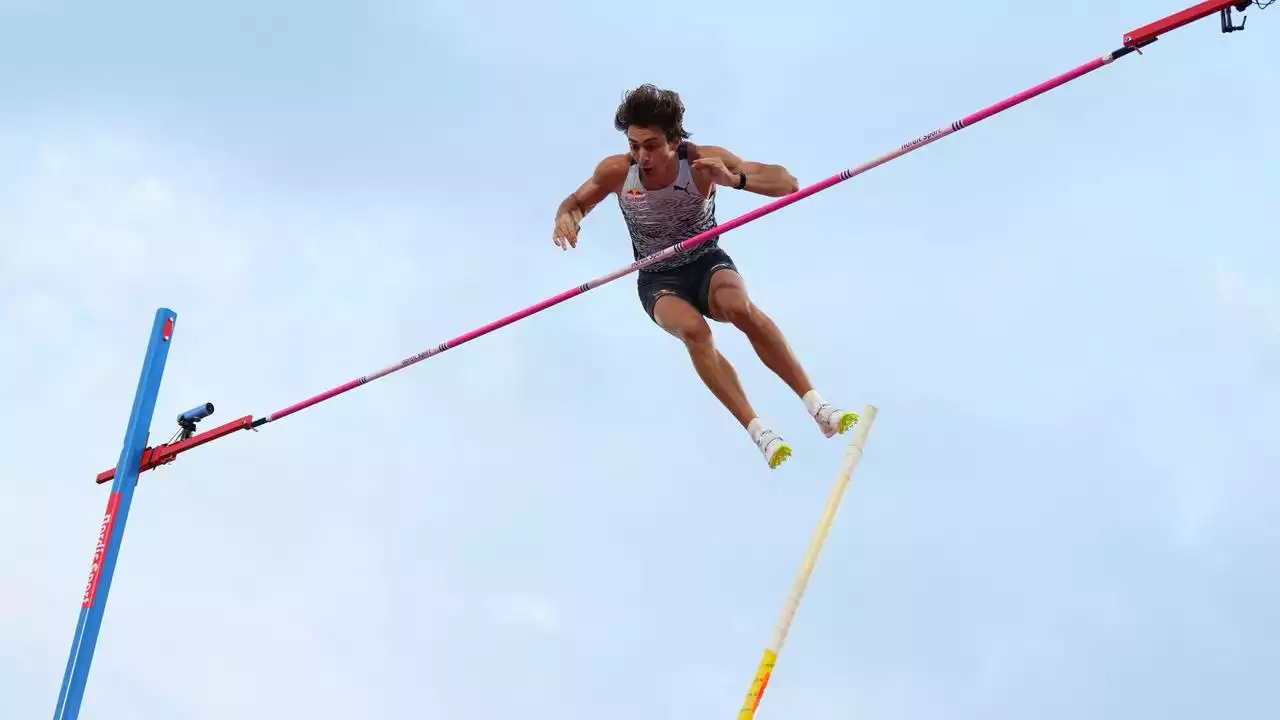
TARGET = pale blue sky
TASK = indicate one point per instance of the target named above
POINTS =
(1068, 315)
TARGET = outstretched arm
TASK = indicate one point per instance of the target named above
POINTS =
(723, 167)
(607, 178)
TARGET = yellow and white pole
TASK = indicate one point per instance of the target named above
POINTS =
(851, 458)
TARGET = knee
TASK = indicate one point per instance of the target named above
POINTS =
(736, 309)
(695, 334)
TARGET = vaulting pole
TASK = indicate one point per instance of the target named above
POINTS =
(767, 663)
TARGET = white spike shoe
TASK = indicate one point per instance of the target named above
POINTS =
(773, 447)
(833, 420)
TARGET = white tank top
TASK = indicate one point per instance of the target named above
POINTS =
(660, 218)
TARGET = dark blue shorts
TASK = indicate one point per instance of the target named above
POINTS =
(691, 281)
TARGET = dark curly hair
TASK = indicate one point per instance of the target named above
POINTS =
(648, 105)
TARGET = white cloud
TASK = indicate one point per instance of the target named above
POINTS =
(243, 556)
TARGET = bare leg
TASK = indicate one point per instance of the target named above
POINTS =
(729, 303)
(682, 320)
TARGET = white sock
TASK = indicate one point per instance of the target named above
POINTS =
(812, 401)
(754, 428)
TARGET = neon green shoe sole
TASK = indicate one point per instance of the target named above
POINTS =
(849, 420)
(780, 455)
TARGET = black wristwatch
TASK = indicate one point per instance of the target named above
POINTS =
(742, 180)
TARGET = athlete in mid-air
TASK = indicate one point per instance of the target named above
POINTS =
(666, 188)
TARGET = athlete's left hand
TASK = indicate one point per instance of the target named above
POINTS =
(716, 169)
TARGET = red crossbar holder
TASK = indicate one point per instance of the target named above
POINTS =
(1149, 33)
(165, 454)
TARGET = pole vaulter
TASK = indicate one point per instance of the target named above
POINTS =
(137, 457)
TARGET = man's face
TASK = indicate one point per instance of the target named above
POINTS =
(650, 148)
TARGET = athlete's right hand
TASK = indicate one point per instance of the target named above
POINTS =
(565, 235)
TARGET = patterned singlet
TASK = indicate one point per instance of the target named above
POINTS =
(660, 218)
